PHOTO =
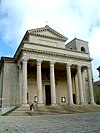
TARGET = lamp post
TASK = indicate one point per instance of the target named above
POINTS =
(99, 71)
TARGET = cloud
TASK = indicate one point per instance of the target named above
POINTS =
(94, 45)
(80, 18)
(18, 16)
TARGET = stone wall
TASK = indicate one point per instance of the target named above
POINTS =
(10, 85)
(0, 87)
(46, 41)
(96, 87)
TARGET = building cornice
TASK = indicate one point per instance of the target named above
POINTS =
(55, 54)
(8, 59)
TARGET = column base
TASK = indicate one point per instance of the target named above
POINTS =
(71, 104)
(93, 103)
(40, 104)
(83, 103)
(54, 104)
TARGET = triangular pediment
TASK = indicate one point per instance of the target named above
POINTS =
(47, 32)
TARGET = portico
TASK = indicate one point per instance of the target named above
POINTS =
(47, 71)
(40, 80)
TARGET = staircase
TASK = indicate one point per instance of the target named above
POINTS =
(65, 109)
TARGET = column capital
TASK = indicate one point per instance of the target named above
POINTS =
(88, 67)
(39, 62)
(68, 65)
(79, 65)
(84, 68)
(52, 62)
(24, 60)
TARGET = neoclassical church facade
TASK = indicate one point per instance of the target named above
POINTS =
(46, 71)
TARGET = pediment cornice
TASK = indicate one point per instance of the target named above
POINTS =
(47, 28)
(50, 37)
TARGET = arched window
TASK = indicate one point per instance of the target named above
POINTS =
(82, 49)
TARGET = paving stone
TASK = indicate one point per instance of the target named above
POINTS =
(65, 123)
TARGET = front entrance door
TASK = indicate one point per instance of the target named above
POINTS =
(74, 98)
(48, 94)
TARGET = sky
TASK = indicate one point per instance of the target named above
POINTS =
(71, 18)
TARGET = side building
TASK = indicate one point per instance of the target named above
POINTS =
(96, 87)
(44, 71)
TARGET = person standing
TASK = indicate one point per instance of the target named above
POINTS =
(32, 108)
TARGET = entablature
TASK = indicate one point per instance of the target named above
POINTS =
(58, 52)
(35, 55)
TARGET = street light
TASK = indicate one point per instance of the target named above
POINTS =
(99, 71)
(63, 99)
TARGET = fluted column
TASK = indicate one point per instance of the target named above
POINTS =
(24, 81)
(69, 85)
(90, 85)
(52, 81)
(80, 84)
(39, 84)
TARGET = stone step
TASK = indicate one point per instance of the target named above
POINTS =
(65, 109)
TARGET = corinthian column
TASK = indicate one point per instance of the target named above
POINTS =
(90, 85)
(39, 83)
(69, 84)
(24, 81)
(52, 80)
(80, 85)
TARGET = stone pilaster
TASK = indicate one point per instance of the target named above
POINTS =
(1, 85)
(52, 81)
(24, 81)
(39, 84)
(90, 85)
(69, 85)
(20, 84)
(80, 84)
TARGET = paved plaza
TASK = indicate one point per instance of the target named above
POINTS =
(65, 123)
